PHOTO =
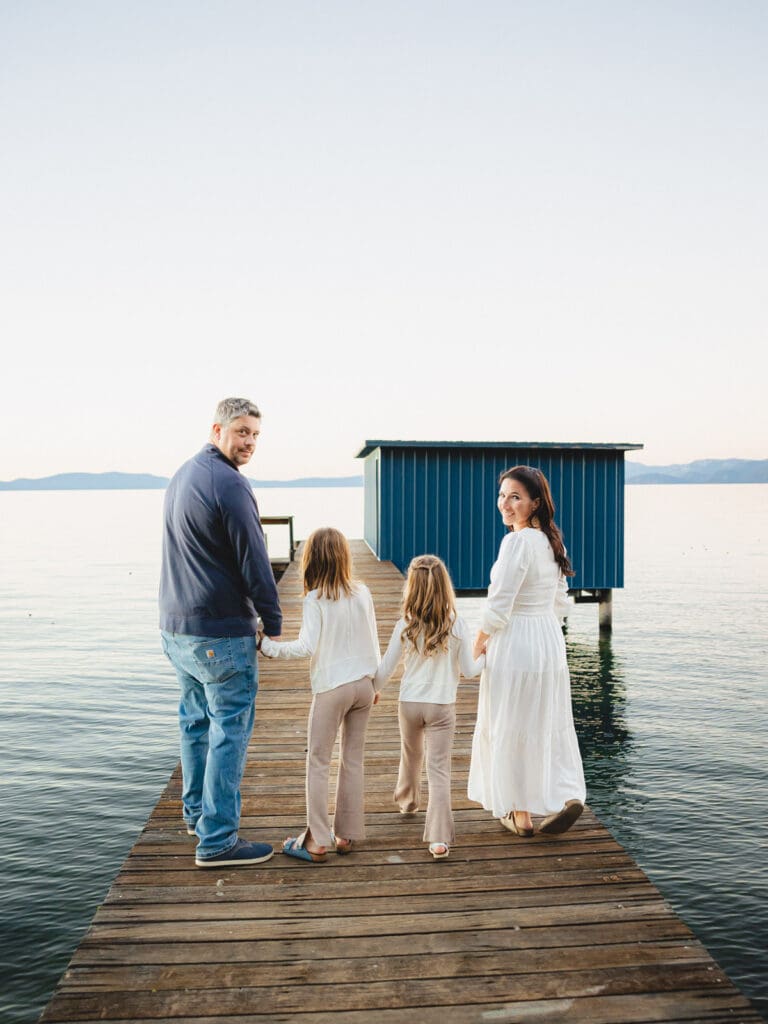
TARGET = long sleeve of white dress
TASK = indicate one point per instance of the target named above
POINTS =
(563, 604)
(507, 577)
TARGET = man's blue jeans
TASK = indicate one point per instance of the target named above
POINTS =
(218, 679)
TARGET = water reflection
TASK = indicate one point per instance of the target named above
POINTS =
(599, 696)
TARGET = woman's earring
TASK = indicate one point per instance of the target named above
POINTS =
(535, 522)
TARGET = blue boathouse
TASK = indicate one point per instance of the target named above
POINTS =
(440, 497)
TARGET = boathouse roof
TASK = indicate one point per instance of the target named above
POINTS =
(370, 446)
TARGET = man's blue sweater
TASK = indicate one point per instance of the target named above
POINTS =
(215, 574)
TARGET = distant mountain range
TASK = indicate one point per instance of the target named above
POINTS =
(703, 471)
(147, 482)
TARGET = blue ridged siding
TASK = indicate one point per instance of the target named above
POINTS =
(442, 500)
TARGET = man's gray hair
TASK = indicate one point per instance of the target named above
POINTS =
(229, 409)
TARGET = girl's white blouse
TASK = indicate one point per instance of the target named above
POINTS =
(338, 636)
(432, 680)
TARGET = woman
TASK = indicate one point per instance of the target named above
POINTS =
(525, 755)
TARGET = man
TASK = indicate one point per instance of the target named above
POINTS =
(216, 580)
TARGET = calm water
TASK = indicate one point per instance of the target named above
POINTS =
(671, 712)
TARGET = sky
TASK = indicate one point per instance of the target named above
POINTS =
(501, 221)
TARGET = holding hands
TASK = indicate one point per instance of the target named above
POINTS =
(481, 642)
(260, 636)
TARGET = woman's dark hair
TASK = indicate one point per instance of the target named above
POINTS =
(537, 486)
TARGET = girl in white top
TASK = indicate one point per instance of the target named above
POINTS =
(436, 647)
(338, 633)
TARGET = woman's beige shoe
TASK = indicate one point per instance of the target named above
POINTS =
(508, 821)
(556, 824)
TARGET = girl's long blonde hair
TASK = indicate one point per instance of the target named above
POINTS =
(326, 563)
(429, 605)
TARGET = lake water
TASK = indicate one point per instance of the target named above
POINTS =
(671, 712)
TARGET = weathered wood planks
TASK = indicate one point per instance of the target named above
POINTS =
(507, 929)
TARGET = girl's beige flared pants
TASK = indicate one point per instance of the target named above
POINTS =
(346, 707)
(434, 723)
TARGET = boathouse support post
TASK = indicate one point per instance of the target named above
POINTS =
(605, 611)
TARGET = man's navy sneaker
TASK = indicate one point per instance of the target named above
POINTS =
(190, 827)
(240, 855)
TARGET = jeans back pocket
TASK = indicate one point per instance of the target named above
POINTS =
(214, 659)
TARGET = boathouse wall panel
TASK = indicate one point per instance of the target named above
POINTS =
(441, 498)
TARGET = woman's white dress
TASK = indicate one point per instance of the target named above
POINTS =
(525, 755)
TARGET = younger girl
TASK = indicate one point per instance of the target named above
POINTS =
(436, 646)
(338, 633)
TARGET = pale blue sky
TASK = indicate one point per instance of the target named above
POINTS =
(493, 221)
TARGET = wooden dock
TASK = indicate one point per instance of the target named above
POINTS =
(547, 929)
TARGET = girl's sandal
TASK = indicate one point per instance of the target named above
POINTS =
(439, 850)
(343, 846)
(294, 847)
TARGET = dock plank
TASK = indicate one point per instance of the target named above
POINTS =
(506, 929)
